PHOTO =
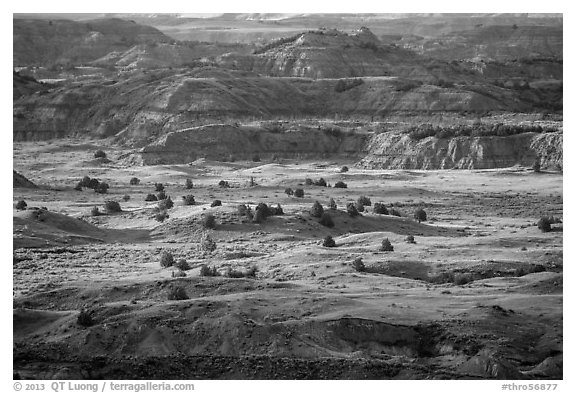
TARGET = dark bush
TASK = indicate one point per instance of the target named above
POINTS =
(364, 201)
(328, 242)
(159, 187)
(256, 158)
(332, 204)
(223, 184)
(85, 182)
(162, 195)
(209, 221)
(340, 184)
(379, 208)
(326, 220)
(344, 169)
(188, 200)
(93, 184)
(233, 273)
(166, 259)
(189, 184)
(308, 181)
(358, 265)
(394, 212)
(21, 205)
(251, 272)
(112, 207)
(359, 207)
(177, 293)
(351, 209)
(207, 271)
(244, 210)
(85, 318)
(166, 204)
(161, 216)
(410, 239)
(259, 216)
(134, 181)
(150, 198)
(95, 211)
(317, 210)
(99, 154)
(386, 245)
(288, 191)
(536, 167)
(320, 182)
(102, 188)
(544, 224)
(463, 278)
(216, 202)
(126, 198)
(179, 273)
(264, 209)
(420, 215)
(182, 265)
(277, 211)
(299, 193)
(78, 186)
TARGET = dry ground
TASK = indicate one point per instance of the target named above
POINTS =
(479, 295)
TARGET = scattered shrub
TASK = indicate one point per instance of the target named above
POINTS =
(364, 201)
(85, 318)
(332, 204)
(102, 188)
(344, 169)
(463, 278)
(244, 210)
(177, 293)
(394, 212)
(78, 186)
(252, 182)
(379, 208)
(162, 195)
(277, 211)
(161, 216)
(99, 154)
(358, 265)
(386, 245)
(328, 242)
(308, 181)
(207, 244)
(207, 271)
(544, 224)
(359, 207)
(150, 198)
(317, 210)
(251, 272)
(223, 184)
(182, 265)
(320, 182)
(340, 184)
(288, 191)
(159, 187)
(95, 211)
(351, 209)
(166, 204)
(179, 273)
(259, 217)
(166, 259)
(209, 221)
(126, 198)
(216, 202)
(326, 220)
(189, 184)
(256, 158)
(266, 212)
(112, 207)
(233, 273)
(85, 182)
(93, 184)
(134, 181)
(536, 167)
(188, 200)
(299, 193)
(420, 215)
(410, 239)
(21, 205)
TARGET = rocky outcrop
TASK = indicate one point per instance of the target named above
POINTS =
(224, 142)
(399, 151)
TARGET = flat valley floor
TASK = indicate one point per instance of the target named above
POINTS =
(478, 295)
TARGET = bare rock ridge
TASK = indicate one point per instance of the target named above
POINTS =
(224, 142)
(399, 151)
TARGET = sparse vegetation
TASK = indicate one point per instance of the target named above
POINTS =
(126, 198)
(233, 273)
(166, 259)
(207, 271)
(159, 187)
(288, 191)
(299, 193)
(328, 242)
(223, 184)
(380, 208)
(344, 169)
(340, 184)
(426, 130)
(207, 244)
(332, 204)
(308, 181)
(166, 204)
(544, 224)
(150, 198)
(326, 220)
(112, 207)
(102, 188)
(21, 205)
(420, 215)
(85, 318)
(188, 200)
(320, 182)
(317, 210)
(410, 239)
(95, 212)
(256, 158)
(161, 195)
(189, 185)
(99, 154)
(161, 216)
(216, 202)
(364, 201)
(351, 209)
(358, 265)
(394, 212)
(386, 245)
(182, 264)
(134, 181)
(359, 206)
(209, 221)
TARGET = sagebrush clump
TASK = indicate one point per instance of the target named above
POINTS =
(21, 205)
(288, 191)
(188, 200)
(223, 184)
(332, 204)
(340, 184)
(150, 198)
(207, 271)
(328, 242)
(379, 208)
(364, 201)
(95, 211)
(99, 154)
(326, 220)
(209, 221)
(134, 181)
(545, 224)
(420, 215)
(162, 195)
(358, 265)
(85, 318)
(112, 207)
(177, 293)
(299, 193)
(159, 187)
(207, 244)
(182, 264)
(317, 210)
(351, 209)
(410, 239)
(161, 216)
(166, 204)
(166, 259)
(189, 185)
(386, 245)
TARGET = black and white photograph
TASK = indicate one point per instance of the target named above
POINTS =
(204, 196)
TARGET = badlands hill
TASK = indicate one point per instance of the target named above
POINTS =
(64, 42)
